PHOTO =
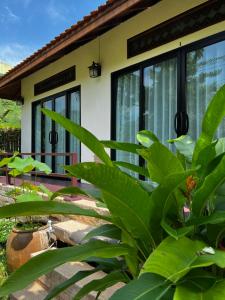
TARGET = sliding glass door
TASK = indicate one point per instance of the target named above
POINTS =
(168, 94)
(50, 137)
(205, 75)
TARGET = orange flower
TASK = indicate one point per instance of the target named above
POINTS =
(190, 183)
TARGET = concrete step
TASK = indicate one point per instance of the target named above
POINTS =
(35, 291)
(66, 271)
(71, 232)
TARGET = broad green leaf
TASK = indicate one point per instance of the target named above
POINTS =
(146, 138)
(161, 162)
(48, 261)
(209, 186)
(46, 208)
(100, 285)
(212, 119)
(106, 230)
(82, 134)
(124, 195)
(128, 147)
(146, 287)
(173, 259)
(185, 146)
(140, 170)
(191, 292)
(217, 217)
(42, 167)
(163, 198)
(73, 190)
(176, 233)
(21, 164)
(27, 197)
(107, 264)
(67, 283)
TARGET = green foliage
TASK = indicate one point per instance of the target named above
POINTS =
(5, 228)
(10, 114)
(168, 232)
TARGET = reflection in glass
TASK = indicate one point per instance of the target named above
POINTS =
(37, 125)
(205, 75)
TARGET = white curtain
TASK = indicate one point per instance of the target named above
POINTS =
(75, 117)
(160, 83)
(205, 75)
(127, 113)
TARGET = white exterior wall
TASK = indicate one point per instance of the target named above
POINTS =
(96, 93)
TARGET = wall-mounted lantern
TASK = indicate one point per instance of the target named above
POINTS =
(95, 70)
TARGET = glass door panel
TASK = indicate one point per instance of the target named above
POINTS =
(205, 75)
(48, 134)
(60, 135)
(127, 113)
(75, 117)
(37, 130)
(160, 90)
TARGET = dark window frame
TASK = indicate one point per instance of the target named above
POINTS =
(67, 93)
(181, 54)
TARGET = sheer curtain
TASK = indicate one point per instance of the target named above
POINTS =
(75, 117)
(205, 75)
(127, 113)
(160, 84)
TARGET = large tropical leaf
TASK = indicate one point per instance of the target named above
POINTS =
(218, 217)
(212, 119)
(46, 208)
(185, 146)
(128, 147)
(106, 230)
(48, 261)
(146, 138)
(193, 291)
(161, 162)
(124, 196)
(164, 198)
(173, 259)
(176, 233)
(140, 170)
(209, 186)
(147, 286)
(101, 284)
(86, 137)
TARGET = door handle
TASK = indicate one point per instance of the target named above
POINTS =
(181, 123)
(50, 137)
(56, 137)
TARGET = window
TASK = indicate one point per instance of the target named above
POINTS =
(168, 94)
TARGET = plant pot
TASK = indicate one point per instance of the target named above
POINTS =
(22, 243)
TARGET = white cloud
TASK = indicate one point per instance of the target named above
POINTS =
(14, 53)
(8, 16)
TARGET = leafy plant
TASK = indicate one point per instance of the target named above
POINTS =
(169, 230)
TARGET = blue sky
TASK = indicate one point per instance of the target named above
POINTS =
(27, 25)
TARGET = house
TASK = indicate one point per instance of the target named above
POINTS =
(161, 62)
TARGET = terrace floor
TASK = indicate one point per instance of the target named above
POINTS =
(52, 184)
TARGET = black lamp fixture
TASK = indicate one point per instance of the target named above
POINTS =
(95, 70)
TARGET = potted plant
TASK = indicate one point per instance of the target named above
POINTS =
(168, 228)
(30, 234)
